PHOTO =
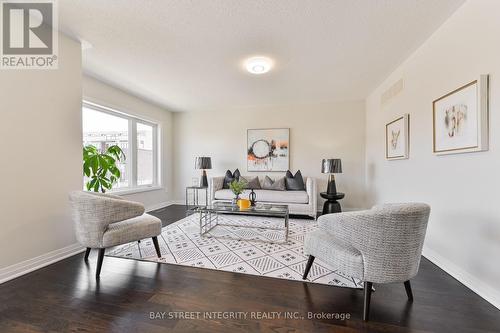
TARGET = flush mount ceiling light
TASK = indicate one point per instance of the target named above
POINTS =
(258, 65)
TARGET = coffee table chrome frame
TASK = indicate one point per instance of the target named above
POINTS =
(209, 219)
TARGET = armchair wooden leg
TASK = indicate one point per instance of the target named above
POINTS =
(308, 267)
(99, 263)
(87, 252)
(157, 246)
(366, 305)
(409, 293)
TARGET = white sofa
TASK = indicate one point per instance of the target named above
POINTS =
(299, 202)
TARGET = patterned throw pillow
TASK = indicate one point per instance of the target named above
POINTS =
(252, 183)
(278, 185)
(229, 177)
(294, 183)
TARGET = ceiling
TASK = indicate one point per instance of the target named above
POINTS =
(186, 55)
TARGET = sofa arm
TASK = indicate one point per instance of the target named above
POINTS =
(215, 184)
(312, 191)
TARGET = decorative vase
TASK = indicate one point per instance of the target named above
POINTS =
(253, 198)
(244, 204)
(234, 202)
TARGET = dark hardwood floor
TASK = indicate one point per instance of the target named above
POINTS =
(65, 297)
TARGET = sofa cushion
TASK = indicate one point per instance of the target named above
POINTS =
(294, 183)
(229, 177)
(276, 185)
(299, 197)
(251, 182)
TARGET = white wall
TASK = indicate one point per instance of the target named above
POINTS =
(316, 131)
(41, 157)
(106, 95)
(463, 235)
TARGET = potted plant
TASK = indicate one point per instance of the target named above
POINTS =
(237, 187)
(101, 167)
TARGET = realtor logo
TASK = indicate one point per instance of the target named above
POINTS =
(29, 34)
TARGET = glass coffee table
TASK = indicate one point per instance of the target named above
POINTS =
(209, 217)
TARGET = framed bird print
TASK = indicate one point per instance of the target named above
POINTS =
(397, 138)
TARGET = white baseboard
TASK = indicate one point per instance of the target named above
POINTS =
(24, 267)
(472, 282)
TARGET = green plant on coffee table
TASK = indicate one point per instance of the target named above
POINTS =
(101, 167)
(237, 187)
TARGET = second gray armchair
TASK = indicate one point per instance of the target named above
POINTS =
(105, 220)
(380, 245)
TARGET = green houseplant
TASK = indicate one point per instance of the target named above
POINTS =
(101, 167)
(237, 187)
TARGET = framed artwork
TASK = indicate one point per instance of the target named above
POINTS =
(268, 149)
(460, 119)
(397, 138)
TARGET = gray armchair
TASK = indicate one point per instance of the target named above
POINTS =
(380, 245)
(105, 220)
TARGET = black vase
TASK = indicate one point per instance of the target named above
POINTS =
(252, 197)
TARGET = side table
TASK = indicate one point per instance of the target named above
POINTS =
(196, 196)
(331, 205)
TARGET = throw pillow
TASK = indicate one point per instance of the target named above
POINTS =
(253, 183)
(294, 183)
(278, 185)
(229, 177)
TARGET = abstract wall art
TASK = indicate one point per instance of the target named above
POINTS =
(397, 138)
(268, 149)
(460, 119)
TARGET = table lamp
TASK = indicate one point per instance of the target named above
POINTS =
(331, 166)
(203, 163)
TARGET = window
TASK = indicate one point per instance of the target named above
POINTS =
(145, 158)
(103, 127)
(103, 130)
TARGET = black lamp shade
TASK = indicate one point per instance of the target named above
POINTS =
(331, 165)
(203, 163)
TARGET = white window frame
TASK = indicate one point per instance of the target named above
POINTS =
(132, 144)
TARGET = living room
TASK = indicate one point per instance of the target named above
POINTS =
(171, 100)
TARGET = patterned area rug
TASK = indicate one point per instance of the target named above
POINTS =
(241, 249)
